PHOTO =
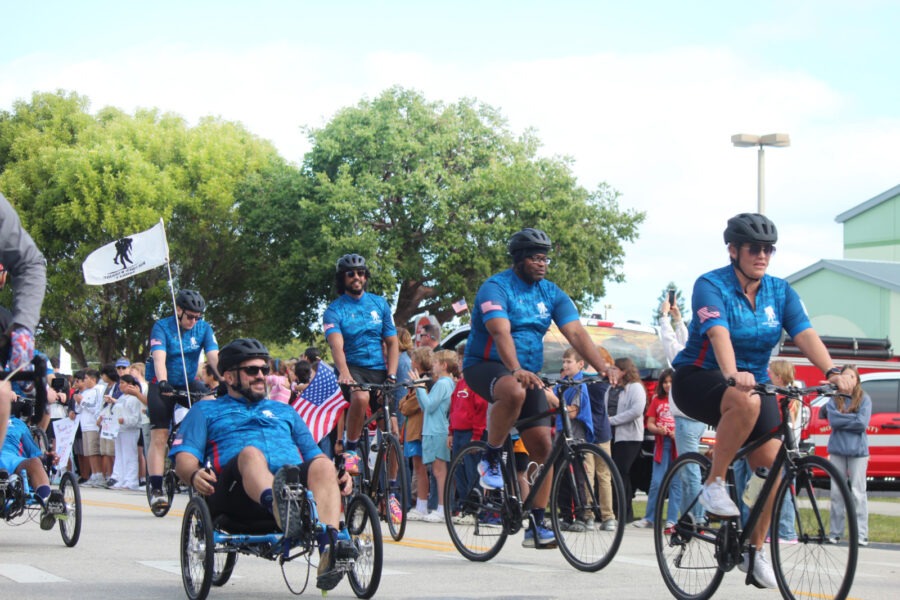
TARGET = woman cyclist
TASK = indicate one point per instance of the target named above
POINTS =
(739, 312)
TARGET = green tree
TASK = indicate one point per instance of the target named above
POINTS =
(429, 193)
(80, 181)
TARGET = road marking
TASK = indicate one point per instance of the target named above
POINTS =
(27, 574)
(169, 566)
(122, 505)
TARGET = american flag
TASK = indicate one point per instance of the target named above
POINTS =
(708, 312)
(321, 403)
(460, 305)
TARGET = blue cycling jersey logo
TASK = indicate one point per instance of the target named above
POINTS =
(376, 318)
(771, 319)
(542, 310)
(268, 413)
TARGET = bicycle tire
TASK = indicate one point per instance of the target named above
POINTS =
(365, 531)
(475, 518)
(813, 567)
(387, 489)
(70, 527)
(223, 566)
(197, 549)
(594, 547)
(687, 555)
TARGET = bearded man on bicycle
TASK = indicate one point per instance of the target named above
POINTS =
(355, 327)
(184, 331)
(739, 313)
(505, 351)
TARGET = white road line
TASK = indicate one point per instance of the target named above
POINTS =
(27, 574)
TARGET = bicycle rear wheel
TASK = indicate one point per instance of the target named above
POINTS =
(687, 553)
(811, 567)
(365, 530)
(473, 514)
(392, 486)
(575, 508)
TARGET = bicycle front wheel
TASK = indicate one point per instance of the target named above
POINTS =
(393, 486)
(587, 503)
(473, 514)
(365, 531)
(686, 553)
(806, 564)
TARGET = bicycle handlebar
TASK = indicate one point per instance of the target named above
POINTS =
(792, 391)
(567, 382)
(388, 387)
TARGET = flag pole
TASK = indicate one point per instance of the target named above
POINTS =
(175, 312)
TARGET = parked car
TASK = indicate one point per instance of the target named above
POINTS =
(884, 429)
(640, 343)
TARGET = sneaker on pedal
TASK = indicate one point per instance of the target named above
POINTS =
(763, 575)
(715, 499)
(330, 572)
(545, 537)
(287, 509)
(351, 463)
(158, 500)
(394, 510)
(491, 478)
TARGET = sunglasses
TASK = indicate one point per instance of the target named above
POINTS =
(254, 370)
(358, 273)
(192, 316)
(757, 249)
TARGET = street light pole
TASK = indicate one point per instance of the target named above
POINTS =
(748, 140)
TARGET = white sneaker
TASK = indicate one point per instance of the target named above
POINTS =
(715, 499)
(762, 569)
(642, 523)
(434, 517)
(415, 515)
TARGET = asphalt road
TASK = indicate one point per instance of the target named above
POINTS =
(126, 553)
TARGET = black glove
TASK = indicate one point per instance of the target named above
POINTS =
(165, 388)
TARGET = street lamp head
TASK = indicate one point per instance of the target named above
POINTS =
(748, 140)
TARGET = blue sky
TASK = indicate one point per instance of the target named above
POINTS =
(642, 95)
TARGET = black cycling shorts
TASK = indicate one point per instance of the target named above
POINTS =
(363, 375)
(482, 377)
(698, 393)
(229, 497)
(160, 408)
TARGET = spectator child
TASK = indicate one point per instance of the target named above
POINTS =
(661, 423)
(603, 439)
(467, 421)
(436, 406)
(127, 412)
(848, 450)
(412, 444)
(781, 373)
(628, 424)
(87, 405)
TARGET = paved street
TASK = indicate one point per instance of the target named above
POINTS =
(127, 553)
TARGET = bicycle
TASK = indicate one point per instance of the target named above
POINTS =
(479, 521)
(24, 408)
(205, 540)
(700, 549)
(171, 483)
(386, 480)
(19, 500)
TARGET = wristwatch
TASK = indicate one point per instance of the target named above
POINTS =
(833, 371)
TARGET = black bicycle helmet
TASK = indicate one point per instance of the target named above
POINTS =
(350, 262)
(747, 228)
(190, 300)
(529, 239)
(240, 350)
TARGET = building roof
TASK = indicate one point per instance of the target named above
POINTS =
(884, 274)
(871, 202)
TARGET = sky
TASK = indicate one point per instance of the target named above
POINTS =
(643, 96)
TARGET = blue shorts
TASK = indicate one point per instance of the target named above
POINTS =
(435, 447)
(413, 448)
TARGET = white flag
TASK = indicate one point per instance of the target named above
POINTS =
(127, 256)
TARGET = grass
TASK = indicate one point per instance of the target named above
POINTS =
(882, 528)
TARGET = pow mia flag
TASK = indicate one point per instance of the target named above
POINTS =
(127, 256)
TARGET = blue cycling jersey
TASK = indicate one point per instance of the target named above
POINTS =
(363, 323)
(164, 336)
(718, 299)
(17, 446)
(217, 430)
(529, 308)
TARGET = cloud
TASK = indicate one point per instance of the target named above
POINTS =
(655, 125)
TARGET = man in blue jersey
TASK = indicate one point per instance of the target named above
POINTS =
(256, 449)
(166, 371)
(739, 313)
(505, 352)
(356, 325)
